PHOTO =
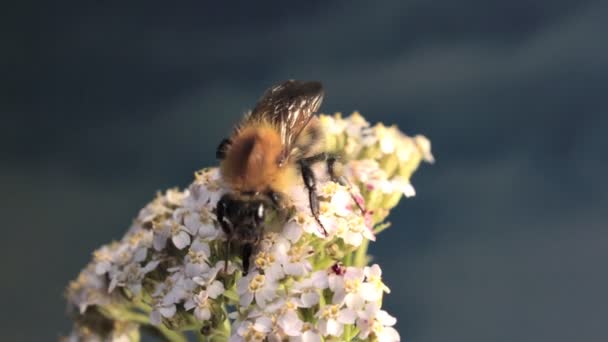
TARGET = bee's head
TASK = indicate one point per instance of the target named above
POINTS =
(242, 216)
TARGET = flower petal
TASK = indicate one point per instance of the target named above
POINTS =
(167, 311)
(181, 240)
(215, 289)
(347, 316)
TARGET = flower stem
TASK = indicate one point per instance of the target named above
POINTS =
(124, 314)
(361, 258)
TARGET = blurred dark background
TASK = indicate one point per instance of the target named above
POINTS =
(105, 102)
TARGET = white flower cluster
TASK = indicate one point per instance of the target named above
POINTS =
(172, 271)
(344, 303)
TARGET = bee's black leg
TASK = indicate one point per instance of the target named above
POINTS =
(331, 159)
(311, 184)
(220, 212)
(220, 152)
(246, 251)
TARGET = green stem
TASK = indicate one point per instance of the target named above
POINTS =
(221, 333)
(171, 335)
(361, 254)
(124, 314)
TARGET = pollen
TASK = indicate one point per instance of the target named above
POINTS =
(175, 228)
(301, 218)
(356, 224)
(291, 305)
(341, 227)
(324, 208)
(203, 175)
(253, 335)
(205, 216)
(295, 253)
(257, 283)
(196, 258)
(136, 238)
(103, 254)
(157, 224)
(329, 189)
(124, 257)
(330, 312)
(263, 260)
(352, 286)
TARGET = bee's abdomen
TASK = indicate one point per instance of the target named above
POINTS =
(309, 140)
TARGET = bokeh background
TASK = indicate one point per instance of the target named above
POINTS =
(105, 102)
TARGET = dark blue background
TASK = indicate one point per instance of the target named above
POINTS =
(104, 103)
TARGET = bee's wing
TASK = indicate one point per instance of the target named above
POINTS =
(289, 106)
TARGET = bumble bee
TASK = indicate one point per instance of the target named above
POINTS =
(275, 143)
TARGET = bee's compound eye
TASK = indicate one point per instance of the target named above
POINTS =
(260, 212)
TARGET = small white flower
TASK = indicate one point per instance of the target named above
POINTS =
(424, 145)
(202, 223)
(88, 289)
(258, 286)
(373, 287)
(160, 310)
(197, 198)
(202, 301)
(398, 184)
(292, 231)
(309, 336)
(268, 261)
(180, 236)
(387, 138)
(175, 289)
(153, 209)
(293, 258)
(341, 203)
(308, 289)
(206, 189)
(130, 276)
(209, 276)
(174, 197)
(347, 288)
(332, 319)
(253, 332)
(367, 172)
(162, 231)
(290, 323)
(196, 259)
(305, 222)
(373, 320)
(333, 124)
(357, 126)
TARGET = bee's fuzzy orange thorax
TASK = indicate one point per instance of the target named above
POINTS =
(251, 162)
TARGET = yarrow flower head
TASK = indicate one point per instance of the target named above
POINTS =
(174, 270)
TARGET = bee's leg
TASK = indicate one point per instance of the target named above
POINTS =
(330, 159)
(311, 184)
(220, 152)
(246, 251)
(226, 225)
